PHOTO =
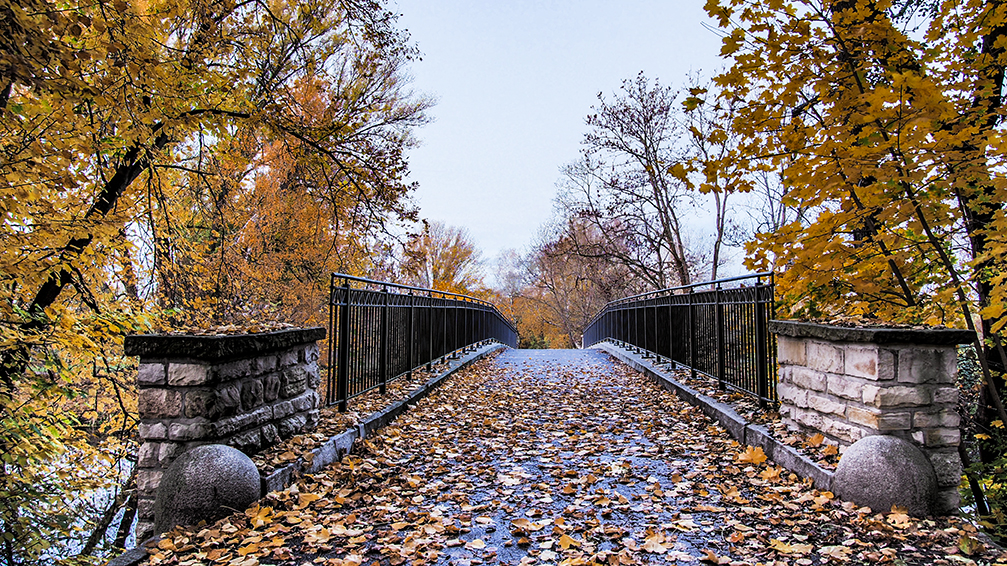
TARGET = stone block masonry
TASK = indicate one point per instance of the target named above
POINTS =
(248, 391)
(848, 383)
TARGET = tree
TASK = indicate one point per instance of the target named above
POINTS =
(892, 143)
(443, 257)
(646, 162)
(713, 165)
(622, 186)
(871, 134)
(573, 288)
(133, 134)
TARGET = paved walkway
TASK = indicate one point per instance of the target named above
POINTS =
(564, 458)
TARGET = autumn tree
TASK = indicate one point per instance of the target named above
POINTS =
(445, 258)
(892, 143)
(621, 183)
(713, 164)
(134, 138)
(262, 235)
(570, 287)
(650, 160)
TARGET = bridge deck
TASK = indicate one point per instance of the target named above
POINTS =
(562, 457)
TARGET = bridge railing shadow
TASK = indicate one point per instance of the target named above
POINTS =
(721, 332)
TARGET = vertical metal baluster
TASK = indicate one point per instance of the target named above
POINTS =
(721, 354)
(343, 374)
(330, 385)
(762, 347)
(671, 330)
(383, 347)
(412, 333)
(692, 337)
(643, 340)
(430, 331)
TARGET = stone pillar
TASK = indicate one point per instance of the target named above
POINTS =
(249, 391)
(848, 383)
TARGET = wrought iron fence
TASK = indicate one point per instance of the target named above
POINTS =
(381, 331)
(720, 332)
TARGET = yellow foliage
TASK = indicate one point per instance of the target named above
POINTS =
(160, 163)
(887, 143)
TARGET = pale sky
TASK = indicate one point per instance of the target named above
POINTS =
(514, 80)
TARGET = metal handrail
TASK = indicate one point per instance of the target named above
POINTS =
(718, 282)
(377, 336)
(719, 332)
(410, 287)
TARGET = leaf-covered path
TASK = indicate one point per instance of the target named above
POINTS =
(559, 457)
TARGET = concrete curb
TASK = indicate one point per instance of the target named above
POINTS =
(742, 431)
(337, 446)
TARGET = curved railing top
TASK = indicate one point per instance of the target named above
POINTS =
(430, 292)
(411, 288)
(671, 290)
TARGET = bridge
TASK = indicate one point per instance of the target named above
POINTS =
(625, 452)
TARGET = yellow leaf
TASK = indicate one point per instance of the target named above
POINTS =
(566, 542)
(305, 499)
(752, 455)
(780, 546)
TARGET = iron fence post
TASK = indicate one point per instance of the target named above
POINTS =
(383, 347)
(643, 341)
(430, 331)
(671, 332)
(330, 386)
(412, 332)
(721, 353)
(343, 373)
(761, 347)
(631, 335)
(657, 334)
(444, 332)
(454, 338)
(692, 337)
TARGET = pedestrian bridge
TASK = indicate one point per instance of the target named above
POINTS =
(441, 443)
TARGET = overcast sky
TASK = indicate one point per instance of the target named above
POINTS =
(514, 80)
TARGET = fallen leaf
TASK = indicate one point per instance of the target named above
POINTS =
(752, 455)
(566, 542)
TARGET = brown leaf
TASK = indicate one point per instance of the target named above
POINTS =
(475, 544)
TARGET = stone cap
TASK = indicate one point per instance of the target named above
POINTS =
(218, 347)
(876, 335)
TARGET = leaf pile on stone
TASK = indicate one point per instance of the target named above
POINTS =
(562, 459)
(853, 321)
(249, 327)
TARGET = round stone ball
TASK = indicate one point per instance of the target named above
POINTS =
(206, 483)
(880, 471)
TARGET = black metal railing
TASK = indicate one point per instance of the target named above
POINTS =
(720, 332)
(380, 331)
